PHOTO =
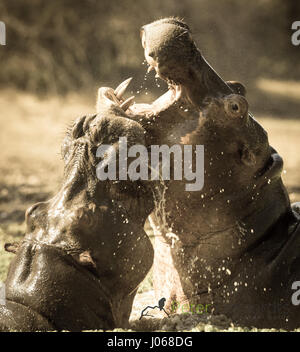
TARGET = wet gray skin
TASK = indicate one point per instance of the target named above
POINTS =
(85, 250)
(235, 244)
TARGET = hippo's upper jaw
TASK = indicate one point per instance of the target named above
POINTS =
(85, 250)
(170, 50)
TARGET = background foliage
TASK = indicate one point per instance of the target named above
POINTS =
(59, 46)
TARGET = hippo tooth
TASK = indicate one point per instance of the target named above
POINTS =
(125, 105)
(150, 68)
(178, 90)
(114, 98)
(120, 90)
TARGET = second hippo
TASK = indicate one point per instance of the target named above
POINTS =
(236, 243)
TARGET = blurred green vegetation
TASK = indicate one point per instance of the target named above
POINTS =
(60, 46)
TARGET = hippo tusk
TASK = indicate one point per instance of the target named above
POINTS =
(126, 104)
(12, 247)
(120, 90)
(150, 68)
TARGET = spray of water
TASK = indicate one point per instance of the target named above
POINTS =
(142, 86)
(159, 223)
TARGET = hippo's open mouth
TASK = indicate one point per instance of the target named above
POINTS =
(175, 93)
(170, 51)
(182, 79)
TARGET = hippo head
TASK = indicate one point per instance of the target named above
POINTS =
(215, 227)
(99, 224)
(201, 109)
(84, 200)
(172, 53)
(170, 50)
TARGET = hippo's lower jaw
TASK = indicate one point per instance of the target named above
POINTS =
(57, 294)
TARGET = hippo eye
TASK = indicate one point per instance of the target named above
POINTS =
(235, 106)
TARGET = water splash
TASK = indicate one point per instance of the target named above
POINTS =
(157, 82)
(160, 224)
(142, 86)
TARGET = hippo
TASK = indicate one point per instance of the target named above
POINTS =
(234, 244)
(85, 250)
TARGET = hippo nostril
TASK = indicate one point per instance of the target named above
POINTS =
(34, 210)
(35, 216)
(30, 210)
(29, 217)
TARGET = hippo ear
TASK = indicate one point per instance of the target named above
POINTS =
(12, 247)
(237, 87)
(247, 157)
(77, 130)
